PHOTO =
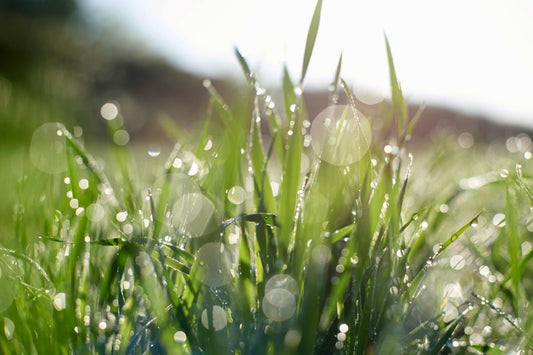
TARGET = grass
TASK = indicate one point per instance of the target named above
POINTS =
(261, 243)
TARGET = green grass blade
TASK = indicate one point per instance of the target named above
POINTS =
(341, 233)
(435, 349)
(513, 237)
(311, 37)
(399, 105)
(333, 97)
(244, 65)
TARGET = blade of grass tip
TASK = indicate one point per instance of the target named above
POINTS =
(244, 66)
(348, 92)
(311, 38)
(220, 105)
(333, 97)
(398, 102)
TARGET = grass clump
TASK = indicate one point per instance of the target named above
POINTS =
(305, 239)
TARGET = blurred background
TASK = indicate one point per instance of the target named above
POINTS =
(61, 60)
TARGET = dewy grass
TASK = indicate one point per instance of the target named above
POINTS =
(237, 246)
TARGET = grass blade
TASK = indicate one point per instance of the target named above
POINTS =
(399, 105)
(311, 37)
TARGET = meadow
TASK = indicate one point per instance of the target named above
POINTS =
(270, 232)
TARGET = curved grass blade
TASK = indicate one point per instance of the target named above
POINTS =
(399, 106)
(444, 246)
(244, 65)
(311, 37)
(333, 96)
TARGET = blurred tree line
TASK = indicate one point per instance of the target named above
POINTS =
(56, 66)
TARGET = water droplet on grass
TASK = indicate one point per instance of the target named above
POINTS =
(83, 184)
(343, 328)
(340, 135)
(279, 304)
(498, 220)
(465, 140)
(192, 214)
(180, 337)
(457, 262)
(95, 212)
(73, 203)
(504, 173)
(121, 216)
(320, 255)
(121, 137)
(127, 228)
(217, 320)
(48, 150)
(214, 263)
(60, 301)
(9, 328)
(236, 195)
(293, 338)
(109, 111)
(154, 152)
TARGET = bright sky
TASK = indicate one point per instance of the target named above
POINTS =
(475, 55)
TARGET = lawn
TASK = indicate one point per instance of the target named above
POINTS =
(269, 232)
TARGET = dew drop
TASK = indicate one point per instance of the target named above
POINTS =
(236, 195)
(59, 301)
(219, 318)
(457, 262)
(298, 91)
(83, 184)
(504, 173)
(279, 304)
(498, 220)
(343, 328)
(340, 135)
(74, 203)
(109, 111)
(9, 328)
(127, 228)
(180, 337)
(154, 152)
(48, 150)
(121, 216)
(293, 338)
(194, 169)
(214, 263)
(121, 137)
(95, 212)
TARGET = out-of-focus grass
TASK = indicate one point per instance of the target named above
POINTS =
(243, 242)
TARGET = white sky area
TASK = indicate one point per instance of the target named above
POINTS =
(474, 55)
